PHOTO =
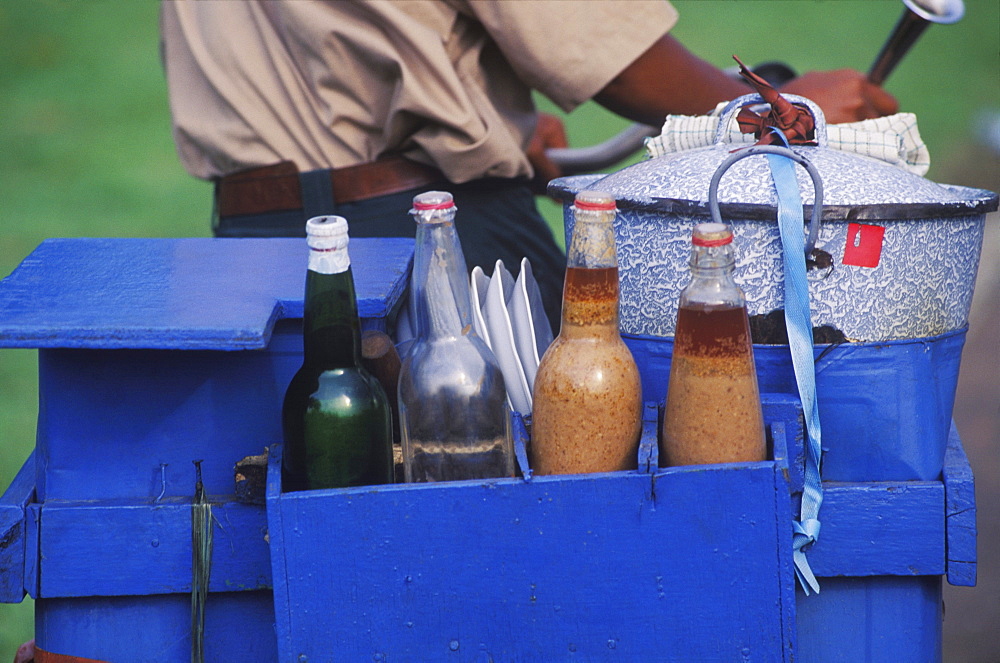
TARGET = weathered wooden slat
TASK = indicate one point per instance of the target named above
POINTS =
(105, 548)
(875, 619)
(128, 424)
(606, 566)
(13, 532)
(157, 628)
(782, 442)
(276, 540)
(787, 410)
(884, 528)
(880, 528)
(177, 294)
(960, 514)
(649, 449)
(32, 558)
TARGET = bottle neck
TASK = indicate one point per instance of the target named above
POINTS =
(332, 331)
(591, 289)
(712, 259)
(440, 293)
(590, 302)
(712, 282)
(592, 244)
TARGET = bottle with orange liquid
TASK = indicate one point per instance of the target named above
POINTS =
(713, 412)
(587, 414)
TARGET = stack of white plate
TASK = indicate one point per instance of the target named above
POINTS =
(508, 315)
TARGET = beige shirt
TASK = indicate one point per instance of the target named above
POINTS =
(330, 84)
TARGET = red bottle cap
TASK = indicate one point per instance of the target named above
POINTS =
(433, 200)
(594, 201)
(711, 234)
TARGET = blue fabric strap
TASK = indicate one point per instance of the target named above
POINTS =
(800, 340)
(317, 193)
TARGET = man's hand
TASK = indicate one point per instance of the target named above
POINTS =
(845, 95)
(25, 653)
(549, 132)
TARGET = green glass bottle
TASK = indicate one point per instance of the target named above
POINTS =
(336, 418)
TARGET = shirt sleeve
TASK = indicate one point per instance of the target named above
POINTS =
(569, 51)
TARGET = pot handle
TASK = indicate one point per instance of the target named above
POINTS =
(728, 115)
(817, 210)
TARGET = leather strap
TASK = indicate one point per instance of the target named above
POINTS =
(278, 188)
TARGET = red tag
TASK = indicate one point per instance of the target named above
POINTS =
(864, 245)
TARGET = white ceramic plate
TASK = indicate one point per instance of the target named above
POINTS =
(532, 332)
(501, 335)
(479, 285)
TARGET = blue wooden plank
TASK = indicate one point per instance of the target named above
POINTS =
(13, 532)
(781, 443)
(519, 431)
(653, 355)
(157, 629)
(879, 619)
(118, 548)
(783, 410)
(153, 414)
(779, 446)
(129, 423)
(880, 529)
(279, 569)
(601, 567)
(33, 523)
(960, 513)
(786, 409)
(649, 448)
(192, 293)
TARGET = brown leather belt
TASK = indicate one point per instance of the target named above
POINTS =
(276, 188)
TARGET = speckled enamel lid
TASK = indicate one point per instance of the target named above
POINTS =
(855, 187)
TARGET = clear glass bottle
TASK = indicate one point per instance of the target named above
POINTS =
(335, 417)
(454, 418)
(713, 412)
(587, 395)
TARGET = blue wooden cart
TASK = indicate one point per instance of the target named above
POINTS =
(154, 354)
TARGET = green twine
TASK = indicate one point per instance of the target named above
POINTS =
(201, 565)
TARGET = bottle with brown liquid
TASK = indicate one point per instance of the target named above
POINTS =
(713, 412)
(587, 394)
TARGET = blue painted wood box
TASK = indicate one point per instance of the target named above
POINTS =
(156, 353)
(687, 564)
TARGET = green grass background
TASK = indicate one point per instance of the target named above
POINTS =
(85, 145)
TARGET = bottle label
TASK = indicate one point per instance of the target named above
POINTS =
(328, 255)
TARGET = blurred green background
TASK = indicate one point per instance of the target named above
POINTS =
(86, 150)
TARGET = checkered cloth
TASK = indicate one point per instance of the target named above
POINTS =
(893, 139)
